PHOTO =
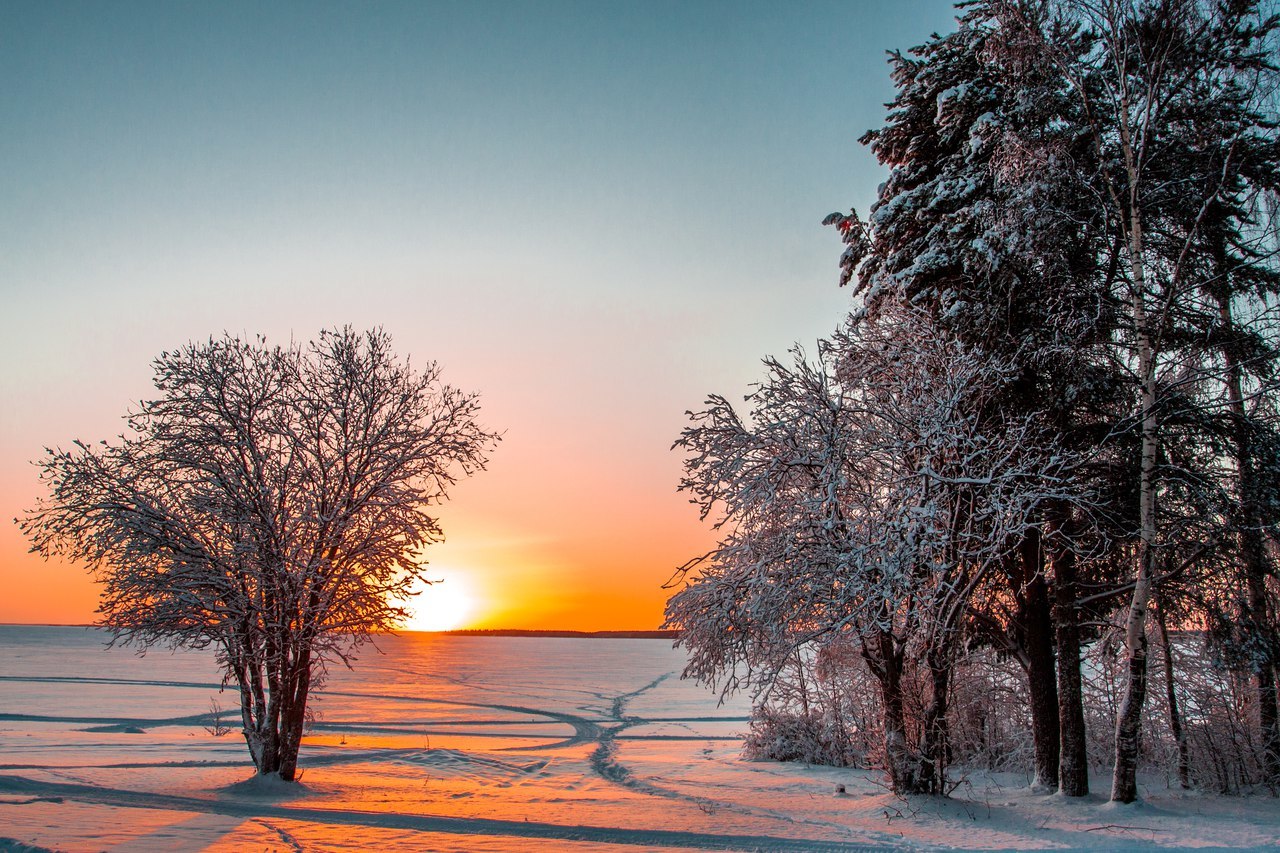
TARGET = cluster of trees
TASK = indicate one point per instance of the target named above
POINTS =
(1051, 420)
(272, 503)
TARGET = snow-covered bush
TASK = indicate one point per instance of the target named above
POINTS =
(818, 737)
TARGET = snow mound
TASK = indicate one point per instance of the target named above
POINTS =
(267, 786)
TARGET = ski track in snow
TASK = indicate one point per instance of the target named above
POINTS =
(604, 762)
(603, 717)
(284, 836)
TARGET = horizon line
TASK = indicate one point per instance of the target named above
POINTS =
(573, 632)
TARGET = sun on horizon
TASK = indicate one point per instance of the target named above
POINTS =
(443, 605)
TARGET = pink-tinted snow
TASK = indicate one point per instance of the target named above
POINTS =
(491, 744)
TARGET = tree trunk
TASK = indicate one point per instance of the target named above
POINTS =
(932, 767)
(1124, 782)
(267, 725)
(1073, 761)
(1171, 696)
(802, 685)
(293, 721)
(1264, 680)
(1037, 624)
(885, 662)
(1264, 669)
(274, 714)
(259, 735)
(1269, 691)
(1253, 554)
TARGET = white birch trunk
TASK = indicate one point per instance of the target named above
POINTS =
(1124, 787)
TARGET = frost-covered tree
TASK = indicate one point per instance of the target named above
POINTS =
(1059, 175)
(1166, 90)
(864, 499)
(272, 503)
(1236, 379)
(1077, 207)
(980, 223)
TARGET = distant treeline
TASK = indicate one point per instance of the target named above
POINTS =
(596, 635)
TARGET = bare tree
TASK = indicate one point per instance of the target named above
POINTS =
(865, 501)
(272, 503)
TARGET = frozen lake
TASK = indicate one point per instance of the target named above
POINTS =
(481, 744)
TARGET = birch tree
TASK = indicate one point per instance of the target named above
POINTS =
(1148, 78)
(273, 503)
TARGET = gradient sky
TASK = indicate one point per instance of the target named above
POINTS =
(592, 213)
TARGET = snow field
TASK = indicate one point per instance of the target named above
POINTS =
(491, 744)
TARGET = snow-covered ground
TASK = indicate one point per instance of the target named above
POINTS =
(491, 744)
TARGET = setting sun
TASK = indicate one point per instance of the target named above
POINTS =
(441, 606)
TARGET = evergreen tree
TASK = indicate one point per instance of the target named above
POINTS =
(980, 223)
(1159, 86)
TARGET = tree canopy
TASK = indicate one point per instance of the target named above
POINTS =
(271, 502)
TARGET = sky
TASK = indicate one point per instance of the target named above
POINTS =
(593, 214)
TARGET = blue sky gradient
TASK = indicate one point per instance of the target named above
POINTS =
(592, 213)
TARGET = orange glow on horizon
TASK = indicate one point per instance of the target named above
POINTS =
(531, 553)
(490, 578)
